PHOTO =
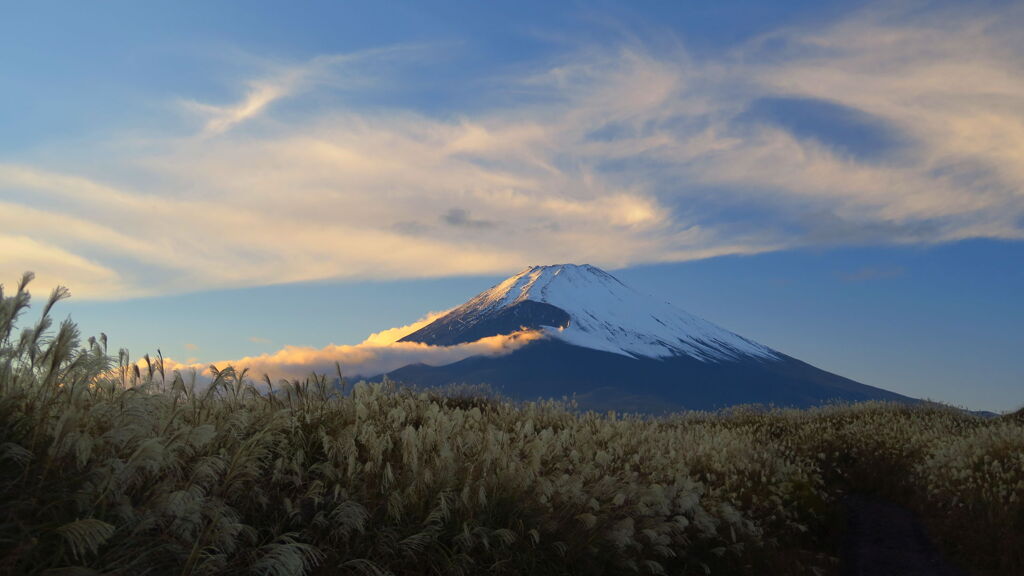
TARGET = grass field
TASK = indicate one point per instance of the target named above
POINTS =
(109, 468)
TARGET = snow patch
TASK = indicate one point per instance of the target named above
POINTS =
(605, 314)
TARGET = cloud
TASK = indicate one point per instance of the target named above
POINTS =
(259, 340)
(220, 119)
(281, 83)
(376, 355)
(55, 266)
(393, 335)
(834, 125)
(460, 218)
(883, 126)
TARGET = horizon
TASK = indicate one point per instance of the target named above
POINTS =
(866, 359)
(840, 182)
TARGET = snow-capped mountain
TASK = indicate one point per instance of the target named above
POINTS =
(611, 346)
(594, 310)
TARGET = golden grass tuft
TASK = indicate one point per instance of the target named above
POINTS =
(109, 469)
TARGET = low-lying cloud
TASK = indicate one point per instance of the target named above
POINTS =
(379, 353)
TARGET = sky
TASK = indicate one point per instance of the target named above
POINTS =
(842, 181)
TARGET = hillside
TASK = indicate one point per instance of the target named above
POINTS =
(611, 346)
(109, 468)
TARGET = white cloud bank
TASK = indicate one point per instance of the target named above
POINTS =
(616, 156)
(379, 353)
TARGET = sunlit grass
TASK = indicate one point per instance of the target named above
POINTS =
(115, 469)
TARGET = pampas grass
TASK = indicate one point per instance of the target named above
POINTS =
(107, 467)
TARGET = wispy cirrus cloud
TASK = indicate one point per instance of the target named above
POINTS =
(881, 127)
(286, 81)
(259, 96)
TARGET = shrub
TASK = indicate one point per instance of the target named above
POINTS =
(109, 466)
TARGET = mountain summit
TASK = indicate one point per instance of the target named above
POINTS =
(611, 346)
(588, 307)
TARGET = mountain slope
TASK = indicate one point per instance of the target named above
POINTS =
(588, 307)
(615, 348)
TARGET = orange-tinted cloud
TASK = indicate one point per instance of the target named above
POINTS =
(378, 354)
(625, 153)
(392, 335)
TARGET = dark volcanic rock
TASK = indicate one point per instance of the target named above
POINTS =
(612, 347)
(454, 329)
(606, 381)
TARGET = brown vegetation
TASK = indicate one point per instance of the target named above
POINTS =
(109, 468)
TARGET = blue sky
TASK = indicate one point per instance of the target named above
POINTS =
(841, 181)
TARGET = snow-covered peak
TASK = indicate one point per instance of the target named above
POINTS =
(605, 314)
(535, 282)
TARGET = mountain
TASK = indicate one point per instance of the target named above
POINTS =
(614, 347)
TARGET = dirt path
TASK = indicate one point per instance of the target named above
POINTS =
(885, 539)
